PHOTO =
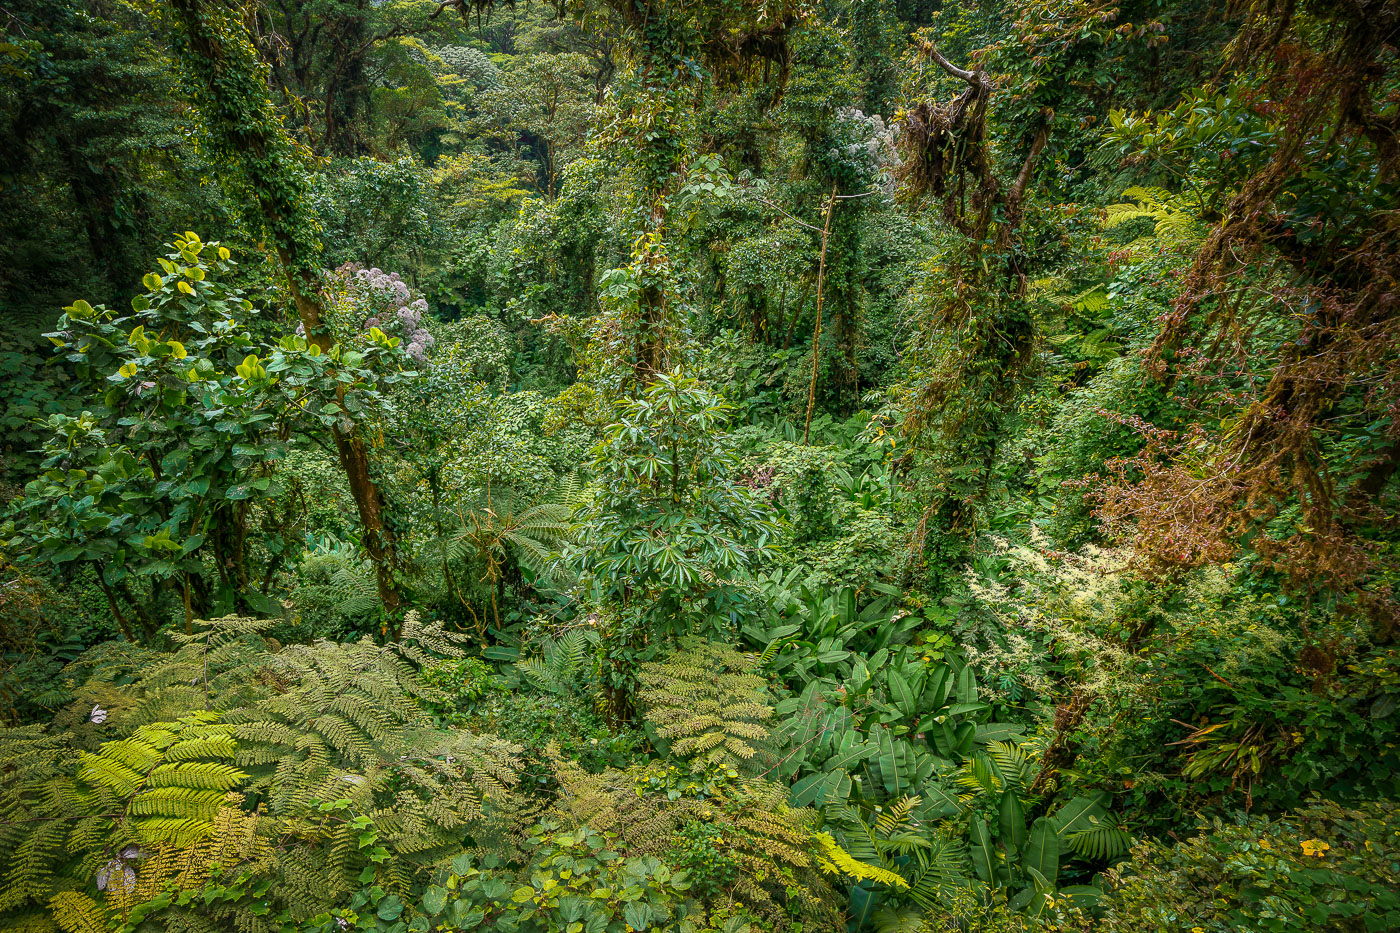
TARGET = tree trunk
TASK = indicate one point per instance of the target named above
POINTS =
(378, 540)
(218, 51)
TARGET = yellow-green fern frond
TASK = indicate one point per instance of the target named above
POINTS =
(77, 913)
(837, 861)
(708, 701)
(1174, 216)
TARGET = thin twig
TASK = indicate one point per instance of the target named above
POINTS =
(817, 335)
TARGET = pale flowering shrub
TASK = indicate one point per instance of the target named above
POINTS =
(368, 298)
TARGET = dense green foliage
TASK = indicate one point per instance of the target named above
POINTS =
(881, 466)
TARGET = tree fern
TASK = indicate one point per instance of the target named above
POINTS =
(167, 780)
(564, 663)
(336, 579)
(775, 845)
(75, 912)
(531, 533)
(1173, 216)
(291, 728)
(706, 700)
(37, 803)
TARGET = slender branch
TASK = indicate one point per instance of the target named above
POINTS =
(974, 78)
(817, 335)
(1018, 188)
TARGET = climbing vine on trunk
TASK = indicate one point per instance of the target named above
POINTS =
(231, 92)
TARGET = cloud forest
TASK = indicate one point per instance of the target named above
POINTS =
(700, 466)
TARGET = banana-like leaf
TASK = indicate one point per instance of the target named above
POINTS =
(936, 687)
(907, 918)
(967, 686)
(901, 694)
(849, 750)
(1043, 850)
(860, 676)
(805, 792)
(1079, 814)
(984, 857)
(1081, 895)
(1012, 818)
(999, 732)
(863, 902)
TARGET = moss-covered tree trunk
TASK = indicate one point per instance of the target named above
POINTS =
(231, 89)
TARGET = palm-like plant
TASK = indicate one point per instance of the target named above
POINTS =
(500, 529)
(563, 665)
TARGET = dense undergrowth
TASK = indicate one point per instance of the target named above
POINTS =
(872, 465)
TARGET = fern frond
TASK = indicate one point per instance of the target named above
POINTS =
(708, 700)
(838, 861)
(75, 912)
(1100, 842)
(1012, 763)
(936, 870)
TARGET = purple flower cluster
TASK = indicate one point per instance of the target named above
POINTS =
(385, 300)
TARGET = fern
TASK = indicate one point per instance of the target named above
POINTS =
(1173, 216)
(531, 533)
(169, 780)
(336, 579)
(936, 869)
(776, 846)
(1001, 766)
(288, 727)
(561, 668)
(838, 861)
(77, 913)
(708, 702)
(1101, 842)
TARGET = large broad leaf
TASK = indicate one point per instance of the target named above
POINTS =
(902, 695)
(1043, 850)
(805, 792)
(888, 761)
(811, 698)
(638, 915)
(1080, 814)
(906, 918)
(998, 732)
(434, 900)
(1081, 895)
(784, 631)
(983, 855)
(863, 902)
(967, 686)
(850, 749)
(847, 603)
(837, 788)
(938, 802)
(1012, 818)
(953, 743)
(1021, 899)
(860, 676)
(827, 787)
(936, 686)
